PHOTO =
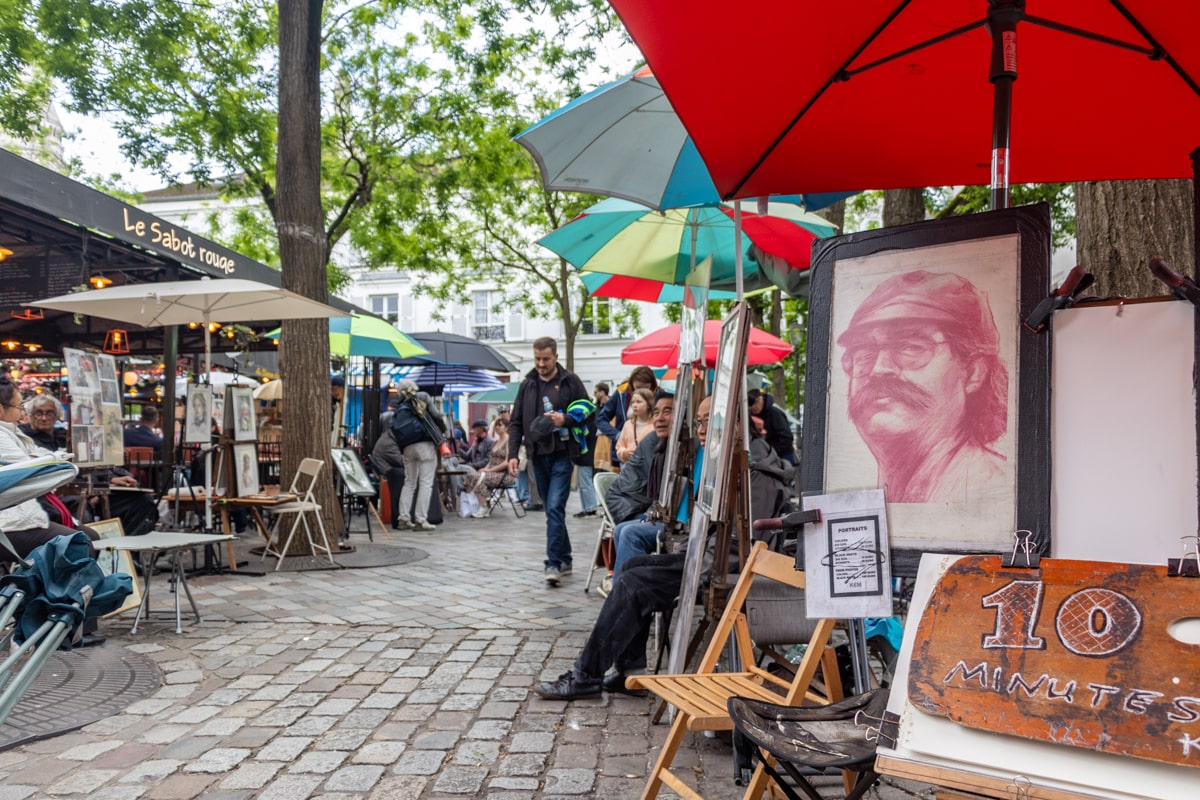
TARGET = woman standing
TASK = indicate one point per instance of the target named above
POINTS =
(637, 425)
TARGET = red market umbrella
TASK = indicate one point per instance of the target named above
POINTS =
(896, 93)
(661, 348)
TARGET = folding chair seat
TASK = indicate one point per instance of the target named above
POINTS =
(701, 699)
(505, 491)
(302, 486)
(602, 480)
(821, 740)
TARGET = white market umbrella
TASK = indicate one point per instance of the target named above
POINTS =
(272, 390)
(223, 300)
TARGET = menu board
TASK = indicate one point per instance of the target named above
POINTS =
(35, 273)
(97, 437)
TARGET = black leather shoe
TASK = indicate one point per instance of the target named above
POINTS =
(567, 688)
(91, 640)
(591, 512)
(615, 683)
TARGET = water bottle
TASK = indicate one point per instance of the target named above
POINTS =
(549, 409)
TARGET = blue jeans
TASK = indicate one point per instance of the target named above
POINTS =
(634, 537)
(553, 476)
(523, 486)
(587, 489)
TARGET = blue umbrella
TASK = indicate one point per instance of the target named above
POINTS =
(625, 140)
(439, 379)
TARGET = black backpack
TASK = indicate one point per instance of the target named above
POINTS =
(408, 427)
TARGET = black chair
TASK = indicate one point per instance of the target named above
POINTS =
(505, 491)
(814, 740)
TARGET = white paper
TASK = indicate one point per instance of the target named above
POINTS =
(847, 568)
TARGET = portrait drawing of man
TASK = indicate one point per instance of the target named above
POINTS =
(928, 388)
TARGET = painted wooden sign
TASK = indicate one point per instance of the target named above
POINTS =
(1074, 652)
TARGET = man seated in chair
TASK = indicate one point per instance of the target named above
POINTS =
(616, 648)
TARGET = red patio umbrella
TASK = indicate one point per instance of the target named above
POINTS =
(895, 93)
(661, 348)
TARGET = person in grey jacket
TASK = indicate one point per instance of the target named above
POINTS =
(389, 460)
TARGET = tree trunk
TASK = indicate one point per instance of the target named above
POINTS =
(1121, 225)
(835, 213)
(778, 374)
(902, 206)
(303, 344)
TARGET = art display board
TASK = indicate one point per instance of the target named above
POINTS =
(728, 406)
(351, 471)
(112, 561)
(97, 435)
(197, 427)
(244, 462)
(922, 379)
(935, 749)
(848, 572)
(1124, 431)
(240, 421)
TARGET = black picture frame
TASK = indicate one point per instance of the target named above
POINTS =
(980, 249)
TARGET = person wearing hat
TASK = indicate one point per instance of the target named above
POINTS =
(337, 391)
(479, 445)
(928, 392)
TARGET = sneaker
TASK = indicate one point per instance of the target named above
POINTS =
(402, 525)
(482, 513)
(605, 585)
(591, 512)
(564, 569)
(423, 526)
(553, 576)
(614, 683)
(567, 687)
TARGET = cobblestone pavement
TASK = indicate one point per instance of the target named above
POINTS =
(408, 682)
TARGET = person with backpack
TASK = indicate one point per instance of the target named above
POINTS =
(417, 427)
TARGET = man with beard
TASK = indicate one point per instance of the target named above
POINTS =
(928, 392)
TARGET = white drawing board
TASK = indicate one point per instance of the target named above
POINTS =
(927, 741)
(1124, 432)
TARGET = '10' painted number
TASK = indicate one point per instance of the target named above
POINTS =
(1091, 622)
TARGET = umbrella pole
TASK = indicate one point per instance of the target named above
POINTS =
(1003, 16)
(208, 481)
(739, 283)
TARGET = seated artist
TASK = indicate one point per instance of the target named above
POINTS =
(647, 585)
(136, 510)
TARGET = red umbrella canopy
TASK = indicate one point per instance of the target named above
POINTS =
(661, 348)
(896, 93)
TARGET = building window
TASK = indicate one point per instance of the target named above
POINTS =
(596, 317)
(386, 306)
(487, 318)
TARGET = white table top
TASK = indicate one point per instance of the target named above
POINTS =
(160, 540)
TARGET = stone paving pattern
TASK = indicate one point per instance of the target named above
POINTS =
(409, 682)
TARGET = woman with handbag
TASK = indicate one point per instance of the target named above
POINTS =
(417, 427)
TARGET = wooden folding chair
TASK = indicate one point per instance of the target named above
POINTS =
(701, 699)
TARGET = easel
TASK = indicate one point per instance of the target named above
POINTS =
(93, 486)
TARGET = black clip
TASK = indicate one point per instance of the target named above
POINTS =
(888, 732)
(1181, 286)
(1024, 554)
(1065, 296)
(1189, 565)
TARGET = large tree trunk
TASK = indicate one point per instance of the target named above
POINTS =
(902, 206)
(303, 344)
(1121, 225)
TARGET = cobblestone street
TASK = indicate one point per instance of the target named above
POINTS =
(405, 682)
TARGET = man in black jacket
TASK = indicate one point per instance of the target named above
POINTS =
(779, 430)
(541, 420)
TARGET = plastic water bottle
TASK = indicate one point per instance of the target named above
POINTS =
(549, 409)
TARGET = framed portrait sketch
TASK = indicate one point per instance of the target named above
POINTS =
(111, 561)
(727, 401)
(197, 426)
(245, 469)
(239, 415)
(351, 471)
(923, 383)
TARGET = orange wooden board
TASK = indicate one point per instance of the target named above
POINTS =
(1075, 652)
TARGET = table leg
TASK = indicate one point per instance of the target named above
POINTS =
(227, 526)
(260, 522)
(149, 556)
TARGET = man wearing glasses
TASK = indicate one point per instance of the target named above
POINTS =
(928, 392)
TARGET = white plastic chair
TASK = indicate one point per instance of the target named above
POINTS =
(602, 480)
(302, 486)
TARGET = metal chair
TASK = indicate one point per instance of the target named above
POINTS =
(302, 486)
(602, 480)
(505, 491)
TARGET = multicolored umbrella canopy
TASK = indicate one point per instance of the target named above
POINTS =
(618, 237)
(438, 379)
(661, 348)
(627, 287)
(625, 140)
(367, 336)
(903, 94)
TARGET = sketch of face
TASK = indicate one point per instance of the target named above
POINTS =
(199, 410)
(907, 383)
